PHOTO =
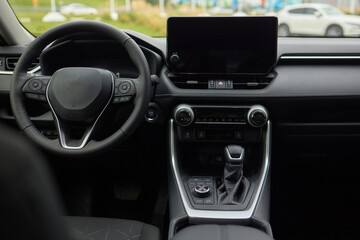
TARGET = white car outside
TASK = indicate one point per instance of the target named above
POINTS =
(317, 20)
(78, 9)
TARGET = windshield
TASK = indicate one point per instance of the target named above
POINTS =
(332, 11)
(150, 16)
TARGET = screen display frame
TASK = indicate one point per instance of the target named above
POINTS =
(194, 45)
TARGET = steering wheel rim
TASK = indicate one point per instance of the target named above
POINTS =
(20, 77)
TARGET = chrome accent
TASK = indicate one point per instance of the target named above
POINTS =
(88, 134)
(222, 123)
(186, 108)
(239, 159)
(254, 109)
(215, 214)
(321, 57)
(202, 189)
(36, 69)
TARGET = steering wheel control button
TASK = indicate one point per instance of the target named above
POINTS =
(42, 97)
(183, 115)
(202, 191)
(121, 99)
(124, 87)
(124, 99)
(35, 85)
(32, 96)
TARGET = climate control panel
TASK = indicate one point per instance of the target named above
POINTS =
(220, 123)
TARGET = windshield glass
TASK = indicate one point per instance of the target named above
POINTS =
(332, 11)
(149, 16)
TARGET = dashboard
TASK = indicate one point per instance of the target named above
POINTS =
(310, 95)
(305, 71)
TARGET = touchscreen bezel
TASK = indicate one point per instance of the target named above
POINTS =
(195, 41)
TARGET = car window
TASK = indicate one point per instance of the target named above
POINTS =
(298, 11)
(310, 11)
(150, 16)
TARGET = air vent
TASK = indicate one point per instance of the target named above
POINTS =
(248, 82)
(12, 61)
(320, 59)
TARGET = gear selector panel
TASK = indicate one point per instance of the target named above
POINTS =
(201, 190)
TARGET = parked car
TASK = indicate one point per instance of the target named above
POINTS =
(78, 9)
(317, 20)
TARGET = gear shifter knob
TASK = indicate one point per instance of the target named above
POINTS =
(234, 155)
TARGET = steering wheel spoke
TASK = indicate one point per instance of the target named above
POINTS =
(68, 141)
(124, 90)
(35, 87)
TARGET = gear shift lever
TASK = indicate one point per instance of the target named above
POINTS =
(235, 186)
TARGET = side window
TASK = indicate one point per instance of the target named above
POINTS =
(310, 11)
(297, 11)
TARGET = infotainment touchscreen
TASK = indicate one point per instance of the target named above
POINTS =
(222, 45)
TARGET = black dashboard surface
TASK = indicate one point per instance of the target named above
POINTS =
(329, 76)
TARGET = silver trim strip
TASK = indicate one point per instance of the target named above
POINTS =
(222, 123)
(321, 57)
(88, 134)
(211, 214)
(38, 68)
(258, 108)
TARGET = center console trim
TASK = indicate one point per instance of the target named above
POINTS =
(211, 214)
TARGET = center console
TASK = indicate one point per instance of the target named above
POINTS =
(220, 157)
(220, 154)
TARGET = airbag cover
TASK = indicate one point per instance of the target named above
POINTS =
(79, 94)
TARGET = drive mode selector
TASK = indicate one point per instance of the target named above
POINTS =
(183, 115)
(257, 116)
(201, 190)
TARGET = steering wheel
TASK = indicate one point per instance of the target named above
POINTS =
(78, 96)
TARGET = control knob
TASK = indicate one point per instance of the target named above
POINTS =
(202, 191)
(174, 58)
(257, 116)
(183, 115)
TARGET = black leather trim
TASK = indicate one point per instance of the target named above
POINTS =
(221, 232)
(91, 228)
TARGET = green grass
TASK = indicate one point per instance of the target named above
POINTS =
(146, 20)
(90, 3)
(126, 21)
(37, 28)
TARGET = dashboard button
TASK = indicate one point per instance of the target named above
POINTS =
(220, 84)
(200, 134)
(238, 135)
(198, 201)
(209, 201)
(151, 113)
(187, 135)
(211, 84)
